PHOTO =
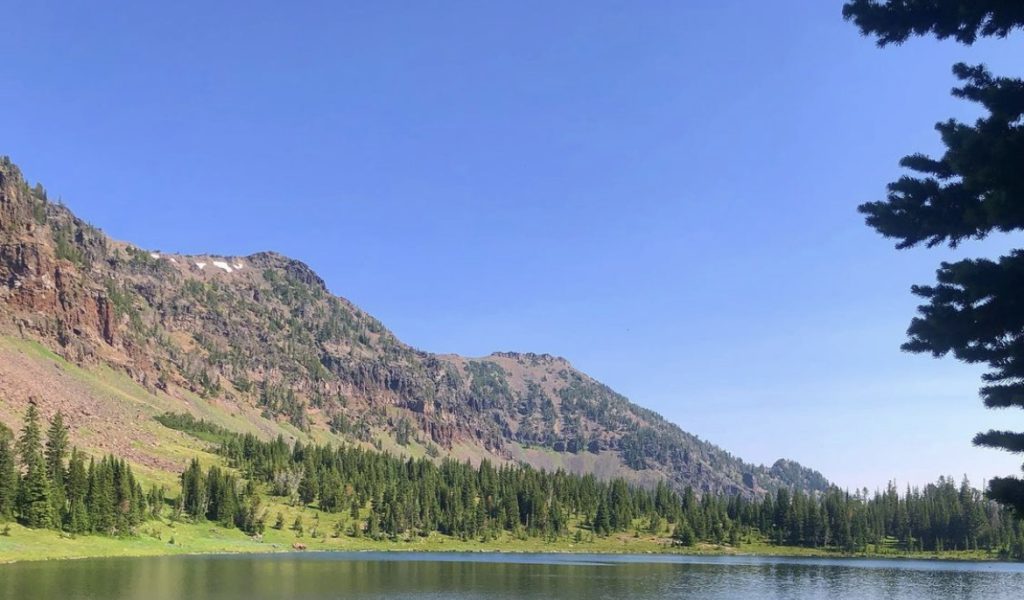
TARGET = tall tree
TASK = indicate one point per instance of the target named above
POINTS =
(34, 503)
(8, 481)
(976, 309)
(193, 491)
(77, 520)
(56, 451)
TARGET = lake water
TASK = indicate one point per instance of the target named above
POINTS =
(316, 576)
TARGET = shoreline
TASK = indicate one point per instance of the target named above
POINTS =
(51, 546)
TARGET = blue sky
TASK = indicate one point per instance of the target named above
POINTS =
(662, 192)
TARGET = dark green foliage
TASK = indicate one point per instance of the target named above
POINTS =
(77, 516)
(199, 428)
(193, 491)
(105, 499)
(34, 505)
(56, 451)
(894, 21)
(8, 481)
(222, 503)
(683, 535)
(115, 501)
(309, 487)
(411, 497)
(975, 188)
(217, 496)
(602, 521)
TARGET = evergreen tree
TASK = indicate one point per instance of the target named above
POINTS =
(101, 500)
(683, 534)
(602, 520)
(193, 491)
(34, 502)
(56, 451)
(8, 481)
(77, 520)
(308, 487)
(975, 188)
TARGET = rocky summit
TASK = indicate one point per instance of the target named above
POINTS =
(113, 335)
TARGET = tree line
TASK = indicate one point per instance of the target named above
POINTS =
(392, 497)
(45, 483)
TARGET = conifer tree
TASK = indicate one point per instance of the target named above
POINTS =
(34, 502)
(56, 451)
(8, 481)
(975, 188)
(683, 534)
(101, 499)
(193, 491)
(602, 520)
(308, 487)
(77, 520)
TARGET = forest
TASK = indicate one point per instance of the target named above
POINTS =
(46, 484)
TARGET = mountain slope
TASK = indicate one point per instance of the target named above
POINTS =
(259, 343)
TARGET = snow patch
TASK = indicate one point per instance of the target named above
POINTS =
(222, 265)
(201, 265)
(172, 260)
(238, 266)
(154, 255)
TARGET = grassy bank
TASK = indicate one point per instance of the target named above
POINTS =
(162, 538)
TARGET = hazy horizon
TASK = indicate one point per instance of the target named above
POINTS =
(665, 195)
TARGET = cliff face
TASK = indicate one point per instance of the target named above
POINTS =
(261, 335)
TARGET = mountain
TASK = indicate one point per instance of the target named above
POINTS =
(114, 335)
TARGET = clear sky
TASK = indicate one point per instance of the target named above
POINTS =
(662, 192)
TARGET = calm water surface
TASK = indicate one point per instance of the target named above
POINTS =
(501, 576)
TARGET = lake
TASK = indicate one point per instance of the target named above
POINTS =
(322, 576)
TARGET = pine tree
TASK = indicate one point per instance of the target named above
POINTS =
(77, 520)
(975, 188)
(602, 520)
(56, 450)
(683, 534)
(34, 502)
(101, 500)
(8, 481)
(331, 492)
(193, 491)
(308, 487)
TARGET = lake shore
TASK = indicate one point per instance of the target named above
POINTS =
(176, 539)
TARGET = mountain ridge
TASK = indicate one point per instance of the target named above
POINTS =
(260, 338)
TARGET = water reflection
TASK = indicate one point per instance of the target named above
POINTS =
(500, 577)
